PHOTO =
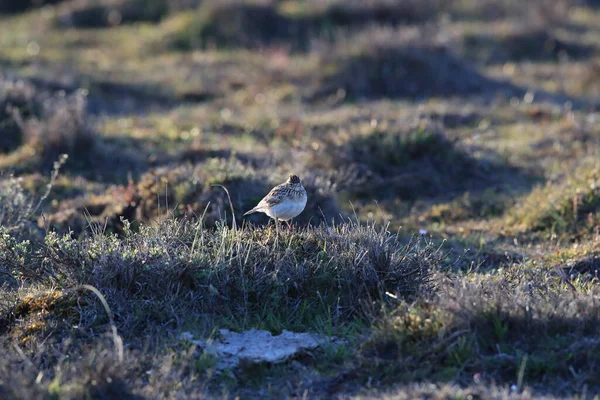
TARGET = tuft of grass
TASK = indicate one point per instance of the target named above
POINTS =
(63, 130)
(18, 205)
(19, 101)
(108, 209)
(566, 208)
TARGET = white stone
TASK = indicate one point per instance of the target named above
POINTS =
(256, 346)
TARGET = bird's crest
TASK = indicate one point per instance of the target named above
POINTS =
(294, 179)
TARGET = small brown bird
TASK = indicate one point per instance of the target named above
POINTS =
(284, 201)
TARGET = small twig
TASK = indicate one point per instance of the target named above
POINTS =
(57, 164)
(521, 372)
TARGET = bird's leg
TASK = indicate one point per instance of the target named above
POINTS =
(290, 225)
(269, 229)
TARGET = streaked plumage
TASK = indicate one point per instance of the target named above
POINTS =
(284, 201)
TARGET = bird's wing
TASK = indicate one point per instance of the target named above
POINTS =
(275, 196)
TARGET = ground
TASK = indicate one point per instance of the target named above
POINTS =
(451, 239)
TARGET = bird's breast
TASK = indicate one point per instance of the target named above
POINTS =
(288, 209)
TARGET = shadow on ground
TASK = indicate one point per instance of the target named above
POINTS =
(537, 45)
(112, 98)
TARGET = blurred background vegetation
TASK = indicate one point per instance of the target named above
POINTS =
(474, 121)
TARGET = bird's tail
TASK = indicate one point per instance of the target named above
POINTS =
(251, 211)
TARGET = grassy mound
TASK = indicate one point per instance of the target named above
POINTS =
(188, 190)
(522, 325)
(385, 71)
(250, 275)
(408, 164)
(489, 203)
(568, 208)
(246, 24)
(191, 190)
(41, 123)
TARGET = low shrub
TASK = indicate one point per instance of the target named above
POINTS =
(63, 129)
(113, 12)
(19, 101)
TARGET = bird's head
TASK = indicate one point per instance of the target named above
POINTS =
(294, 180)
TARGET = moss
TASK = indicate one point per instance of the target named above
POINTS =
(54, 300)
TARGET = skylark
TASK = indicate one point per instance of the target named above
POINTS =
(284, 201)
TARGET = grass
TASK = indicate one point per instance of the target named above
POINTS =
(572, 207)
(495, 326)
(220, 271)
(450, 239)
(239, 24)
